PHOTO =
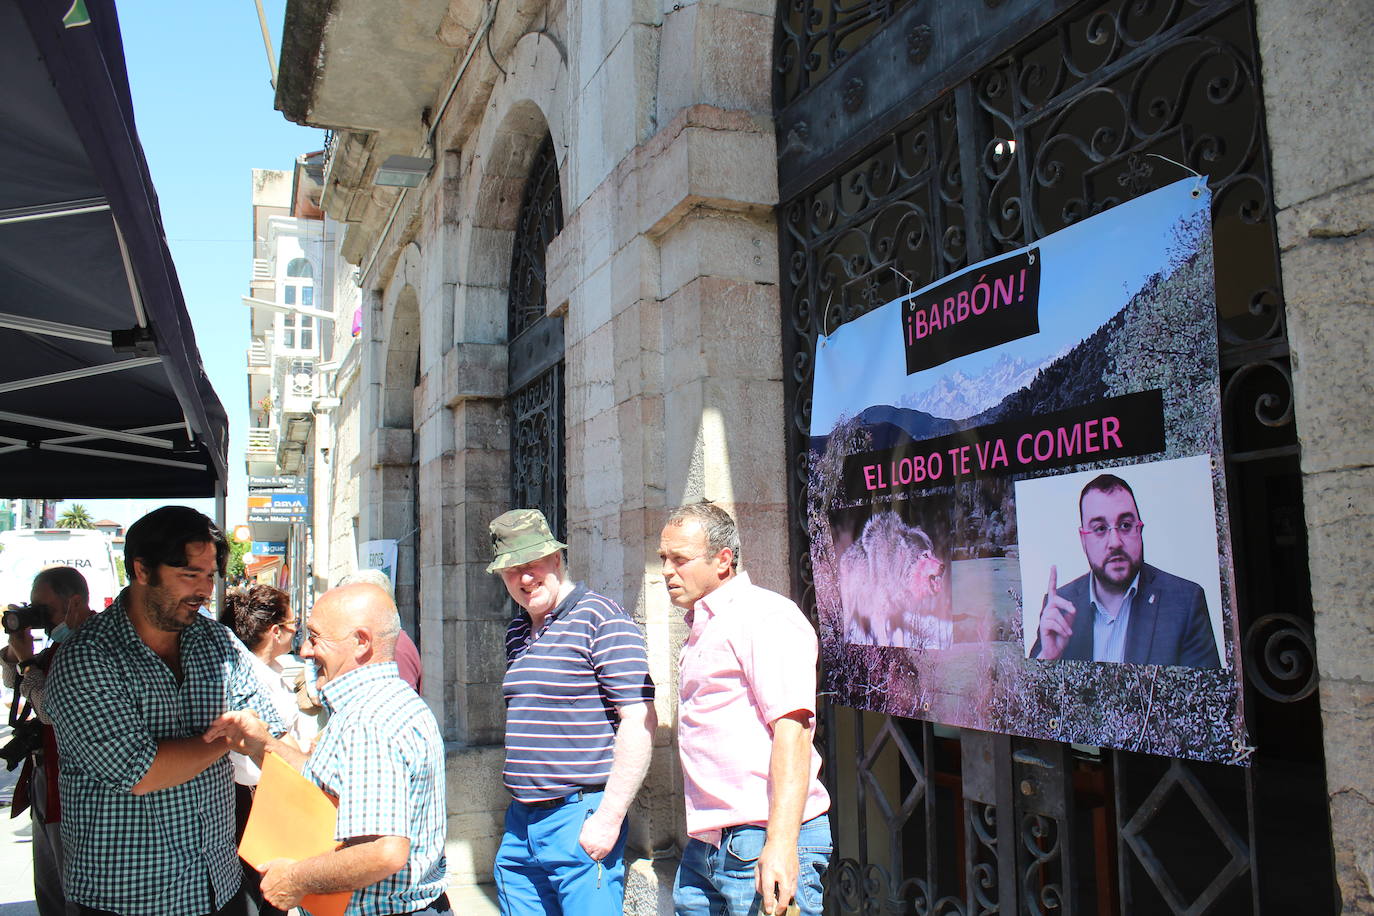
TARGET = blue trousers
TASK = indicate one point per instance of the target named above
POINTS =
(720, 882)
(541, 869)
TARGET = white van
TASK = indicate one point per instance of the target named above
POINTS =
(27, 550)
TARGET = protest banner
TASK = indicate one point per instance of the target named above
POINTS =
(1016, 508)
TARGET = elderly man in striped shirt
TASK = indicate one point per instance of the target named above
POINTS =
(579, 730)
(756, 809)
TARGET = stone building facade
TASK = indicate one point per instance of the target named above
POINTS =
(1324, 198)
(666, 277)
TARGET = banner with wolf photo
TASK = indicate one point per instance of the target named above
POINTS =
(1016, 501)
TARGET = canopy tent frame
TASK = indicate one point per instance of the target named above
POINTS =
(103, 393)
(52, 211)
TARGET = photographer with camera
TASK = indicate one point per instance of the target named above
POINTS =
(59, 602)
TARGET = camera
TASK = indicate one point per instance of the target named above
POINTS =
(28, 738)
(19, 617)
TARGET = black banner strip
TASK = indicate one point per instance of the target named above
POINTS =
(1120, 427)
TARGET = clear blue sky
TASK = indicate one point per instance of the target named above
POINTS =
(203, 102)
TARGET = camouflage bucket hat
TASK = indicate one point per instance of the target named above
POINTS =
(519, 536)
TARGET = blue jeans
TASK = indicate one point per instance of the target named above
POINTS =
(542, 869)
(720, 882)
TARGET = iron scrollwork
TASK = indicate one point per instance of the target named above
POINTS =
(537, 443)
(537, 466)
(1281, 658)
(1042, 889)
(1101, 105)
(815, 36)
(540, 219)
(981, 819)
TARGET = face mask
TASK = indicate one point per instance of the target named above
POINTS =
(59, 632)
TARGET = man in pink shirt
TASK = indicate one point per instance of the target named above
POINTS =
(756, 808)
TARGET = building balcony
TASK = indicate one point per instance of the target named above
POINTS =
(262, 440)
(300, 387)
(258, 357)
(260, 456)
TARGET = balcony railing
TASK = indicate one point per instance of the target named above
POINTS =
(262, 271)
(257, 354)
(262, 442)
(300, 379)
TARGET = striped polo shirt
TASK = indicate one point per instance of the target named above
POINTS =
(562, 688)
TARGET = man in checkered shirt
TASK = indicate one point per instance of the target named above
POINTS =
(381, 755)
(147, 801)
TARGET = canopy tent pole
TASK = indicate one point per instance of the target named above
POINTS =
(140, 312)
(221, 513)
(48, 211)
(72, 375)
(63, 426)
(102, 453)
(54, 329)
(68, 440)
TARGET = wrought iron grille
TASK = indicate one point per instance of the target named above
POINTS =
(540, 219)
(535, 367)
(815, 37)
(946, 133)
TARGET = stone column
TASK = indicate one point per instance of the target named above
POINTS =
(1318, 100)
(668, 266)
(461, 399)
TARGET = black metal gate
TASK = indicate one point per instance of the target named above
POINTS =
(916, 137)
(535, 369)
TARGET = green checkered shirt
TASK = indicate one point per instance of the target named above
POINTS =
(111, 699)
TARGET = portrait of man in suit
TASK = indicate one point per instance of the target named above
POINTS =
(1123, 609)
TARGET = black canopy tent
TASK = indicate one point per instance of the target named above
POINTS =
(102, 392)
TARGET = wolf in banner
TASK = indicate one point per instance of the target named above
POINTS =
(890, 584)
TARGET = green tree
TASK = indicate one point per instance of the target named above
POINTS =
(76, 516)
(237, 549)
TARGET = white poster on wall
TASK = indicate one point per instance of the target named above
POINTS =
(379, 555)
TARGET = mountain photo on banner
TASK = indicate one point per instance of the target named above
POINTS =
(930, 416)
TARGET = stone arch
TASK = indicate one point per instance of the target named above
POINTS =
(523, 112)
(400, 340)
(392, 502)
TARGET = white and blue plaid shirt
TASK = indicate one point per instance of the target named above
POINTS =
(111, 699)
(382, 756)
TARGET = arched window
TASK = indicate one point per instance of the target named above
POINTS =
(535, 380)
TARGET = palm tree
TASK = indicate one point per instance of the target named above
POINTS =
(76, 516)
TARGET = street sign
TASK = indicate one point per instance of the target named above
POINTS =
(276, 482)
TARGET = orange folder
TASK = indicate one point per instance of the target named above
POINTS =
(292, 818)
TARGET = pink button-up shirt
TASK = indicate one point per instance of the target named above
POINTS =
(749, 660)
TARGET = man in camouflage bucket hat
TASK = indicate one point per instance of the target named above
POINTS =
(520, 536)
(572, 767)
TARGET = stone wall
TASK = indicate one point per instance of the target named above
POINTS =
(666, 274)
(338, 470)
(1319, 101)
